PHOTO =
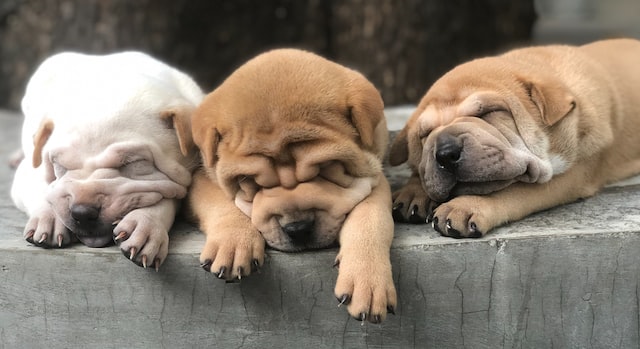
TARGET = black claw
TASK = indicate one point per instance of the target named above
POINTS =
(344, 299)
(430, 217)
(434, 223)
(336, 264)
(255, 265)
(220, 274)
(207, 265)
(29, 236)
(361, 317)
(473, 231)
(391, 309)
(414, 217)
(376, 319)
(452, 232)
(396, 214)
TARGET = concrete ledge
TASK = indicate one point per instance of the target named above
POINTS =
(564, 278)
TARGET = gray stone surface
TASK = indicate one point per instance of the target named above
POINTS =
(564, 278)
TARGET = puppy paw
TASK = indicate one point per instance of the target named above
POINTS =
(365, 286)
(411, 204)
(234, 255)
(44, 230)
(463, 217)
(142, 239)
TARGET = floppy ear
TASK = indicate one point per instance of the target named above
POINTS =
(179, 119)
(553, 100)
(40, 138)
(399, 152)
(209, 145)
(366, 110)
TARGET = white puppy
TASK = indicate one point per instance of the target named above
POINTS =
(102, 158)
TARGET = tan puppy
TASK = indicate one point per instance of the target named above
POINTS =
(498, 138)
(292, 146)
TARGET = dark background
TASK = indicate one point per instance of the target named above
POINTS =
(402, 46)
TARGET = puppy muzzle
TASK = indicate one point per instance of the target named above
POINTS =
(308, 216)
(476, 163)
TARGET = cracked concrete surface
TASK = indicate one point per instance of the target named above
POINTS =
(564, 278)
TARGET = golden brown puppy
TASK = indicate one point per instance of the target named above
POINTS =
(498, 138)
(292, 146)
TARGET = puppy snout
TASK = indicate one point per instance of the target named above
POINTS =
(84, 213)
(448, 151)
(300, 231)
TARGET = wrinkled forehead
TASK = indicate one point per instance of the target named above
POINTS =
(440, 113)
(72, 155)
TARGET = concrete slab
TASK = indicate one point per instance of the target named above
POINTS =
(564, 278)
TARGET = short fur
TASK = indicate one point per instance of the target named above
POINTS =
(532, 128)
(102, 159)
(290, 140)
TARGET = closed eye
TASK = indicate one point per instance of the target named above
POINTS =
(58, 170)
(137, 167)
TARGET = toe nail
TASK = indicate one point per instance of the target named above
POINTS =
(397, 206)
(362, 316)
(132, 253)
(59, 240)
(156, 264)
(116, 222)
(344, 299)
(376, 319)
(391, 309)
(240, 272)
(336, 264)
(255, 265)
(206, 265)
(144, 261)
(448, 224)
(221, 273)
(122, 235)
(44, 237)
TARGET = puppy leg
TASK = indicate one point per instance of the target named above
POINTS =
(28, 192)
(143, 234)
(411, 203)
(474, 215)
(365, 281)
(233, 247)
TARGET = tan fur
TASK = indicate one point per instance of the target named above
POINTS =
(574, 111)
(291, 137)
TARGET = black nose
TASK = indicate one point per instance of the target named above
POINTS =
(84, 213)
(300, 231)
(448, 151)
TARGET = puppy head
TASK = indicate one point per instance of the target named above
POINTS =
(485, 125)
(295, 141)
(107, 139)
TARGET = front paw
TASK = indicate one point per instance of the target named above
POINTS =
(44, 230)
(142, 239)
(411, 204)
(365, 286)
(463, 217)
(233, 255)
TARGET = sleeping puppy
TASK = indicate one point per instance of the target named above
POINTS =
(499, 138)
(292, 146)
(102, 159)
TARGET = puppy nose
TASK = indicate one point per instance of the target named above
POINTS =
(448, 151)
(299, 231)
(84, 213)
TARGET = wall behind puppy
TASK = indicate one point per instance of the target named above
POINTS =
(401, 45)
